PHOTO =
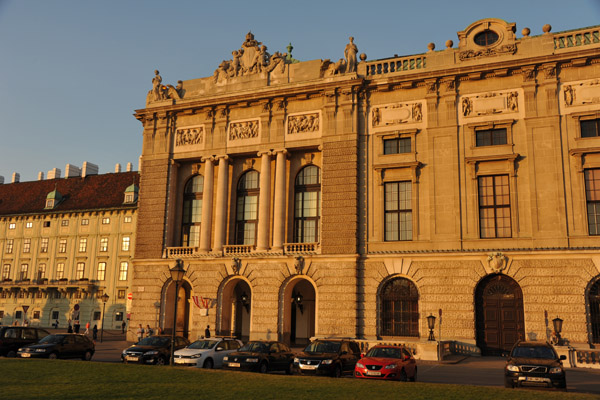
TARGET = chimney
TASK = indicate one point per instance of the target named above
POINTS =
(72, 171)
(54, 173)
(140, 164)
(16, 177)
(118, 167)
(89, 169)
(129, 166)
(1, 180)
(40, 176)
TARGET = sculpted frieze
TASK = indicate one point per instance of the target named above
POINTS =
(303, 123)
(500, 50)
(396, 114)
(243, 130)
(581, 93)
(490, 103)
(189, 136)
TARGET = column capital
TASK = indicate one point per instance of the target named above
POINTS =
(223, 157)
(265, 152)
(208, 158)
(284, 151)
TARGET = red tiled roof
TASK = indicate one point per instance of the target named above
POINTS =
(89, 193)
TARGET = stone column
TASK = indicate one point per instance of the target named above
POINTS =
(221, 203)
(262, 241)
(279, 204)
(207, 204)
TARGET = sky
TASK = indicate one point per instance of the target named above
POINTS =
(72, 72)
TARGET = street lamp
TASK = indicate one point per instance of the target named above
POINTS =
(431, 326)
(297, 299)
(557, 323)
(245, 301)
(177, 273)
(104, 298)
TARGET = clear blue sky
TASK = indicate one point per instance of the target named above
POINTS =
(72, 72)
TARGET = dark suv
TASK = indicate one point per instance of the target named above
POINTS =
(534, 364)
(332, 357)
(13, 337)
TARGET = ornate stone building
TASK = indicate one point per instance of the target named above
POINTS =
(356, 198)
(65, 242)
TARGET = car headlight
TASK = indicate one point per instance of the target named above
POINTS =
(151, 353)
(40, 350)
(225, 358)
(196, 355)
(512, 368)
(556, 370)
(296, 360)
(326, 362)
(252, 360)
(391, 366)
(21, 349)
(124, 352)
(359, 365)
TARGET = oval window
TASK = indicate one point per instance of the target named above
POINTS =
(486, 38)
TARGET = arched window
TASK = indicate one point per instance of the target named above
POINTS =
(594, 303)
(399, 308)
(192, 211)
(307, 205)
(246, 219)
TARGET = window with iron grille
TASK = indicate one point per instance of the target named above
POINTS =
(490, 137)
(398, 211)
(307, 208)
(494, 207)
(592, 194)
(399, 308)
(247, 208)
(192, 211)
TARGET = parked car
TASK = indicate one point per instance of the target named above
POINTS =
(62, 345)
(14, 337)
(261, 356)
(153, 350)
(387, 362)
(534, 364)
(207, 353)
(333, 357)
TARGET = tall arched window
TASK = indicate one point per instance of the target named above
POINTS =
(307, 205)
(399, 308)
(192, 211)
(246, 219)
(594, 303)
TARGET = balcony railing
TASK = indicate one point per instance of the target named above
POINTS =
(300, 248)
(581, 37)
(396, 65)
(237, 249)
(241, 250)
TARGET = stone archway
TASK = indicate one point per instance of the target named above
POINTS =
(236, 307)
(499, 316)
(183, 308)
(298, 303)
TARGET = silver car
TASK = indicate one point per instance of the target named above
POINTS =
(206, 353)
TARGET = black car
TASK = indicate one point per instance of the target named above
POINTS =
(14, 337)
(333, 357)
(534, 364)
(261, 356)
(63, 345)
(153, 350)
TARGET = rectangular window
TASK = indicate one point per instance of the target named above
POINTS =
(490, 137)
(24, 272)
(123, 271)
(60, 271)
(12, 225)
(127, 219)
(62, 246)
(36, 314)
(26, 245)
(99, 293)
(64, 222)
(41, 271)
(18, 314)
(120, 294)
(29, 225)
(119, 315)
(80, 270)
(85, 221)
(125, 243)
(82, 245)
(494, 207)
(396, 146)
(105, 221)
(590, 128)
(5, 272)
(55, 315)
(101, 271)
(9, 246)
(398, 211)
(97, 315)
(104, 244)
(46, 224)
(592, 194)
(44, 245)
(1, 314)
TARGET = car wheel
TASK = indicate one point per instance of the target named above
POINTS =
(209, 364)
(263, 368)
(53, 356)
(414, 377)
(508, 383)
(337, 372)
(11, 354)
(290, 369)
(403, 376)
(87, 356)
(161, 361)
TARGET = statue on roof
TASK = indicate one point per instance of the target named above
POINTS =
(350, 53)
(160, 92)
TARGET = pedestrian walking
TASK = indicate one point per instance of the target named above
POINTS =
(140, 333)
(87, 329)
(95, 332)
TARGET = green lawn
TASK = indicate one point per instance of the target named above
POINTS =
(58, 379)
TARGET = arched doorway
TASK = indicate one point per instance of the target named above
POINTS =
(236, 305)
(593, 299)
(299, 299)
(399, 308)
(183, 309)
(499, 317)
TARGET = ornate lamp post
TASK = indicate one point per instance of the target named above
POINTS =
(557, 324)
(297, 299)
(431, 326)
(245, 301)
(104, 298)
(177, 273)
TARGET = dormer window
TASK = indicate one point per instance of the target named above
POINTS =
(129, 198)
(131, 194)
(53, 199)
(486, 38)
(50, 203)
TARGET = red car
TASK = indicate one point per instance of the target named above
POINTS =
(387, 362)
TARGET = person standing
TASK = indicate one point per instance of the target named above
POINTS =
(207, 331)
(95, 332)
(70, 328)
(140, 333)
(149, 331)
(123, 325)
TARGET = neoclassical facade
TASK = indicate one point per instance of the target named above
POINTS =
(356, 198)
(64, 243)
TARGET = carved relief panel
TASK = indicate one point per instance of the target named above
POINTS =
(305, 125)
(243, 132)
(491, 106)
(580, 96)
(399, 115)
(189, 138)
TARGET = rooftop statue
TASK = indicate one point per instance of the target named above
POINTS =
(350, 53)
(162, 92)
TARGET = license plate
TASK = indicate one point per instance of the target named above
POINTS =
(180, 361)
(234, 365)
(374, 373)
(310, 367)
(25, 355)
(131, 358)
(535, 379)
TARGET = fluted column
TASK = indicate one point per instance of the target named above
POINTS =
(207, 204)
(262, 241)
(221, 203)
(279, 203)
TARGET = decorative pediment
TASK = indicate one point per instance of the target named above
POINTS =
(486, 38)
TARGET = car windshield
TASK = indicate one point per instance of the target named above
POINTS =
(154, 341)
(534, 352)
(51, 339)
(386, 352)
(323, 347)
(202, 344)
(255, 347)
